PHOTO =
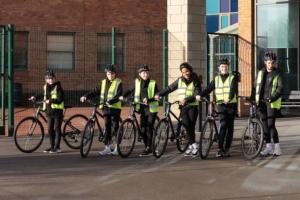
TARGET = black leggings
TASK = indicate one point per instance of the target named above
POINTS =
(189, 116)
(268, 117)
(226, 125)
(111, 117)
(54, 130)
(147, 125)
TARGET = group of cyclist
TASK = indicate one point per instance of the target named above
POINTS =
(266, 93)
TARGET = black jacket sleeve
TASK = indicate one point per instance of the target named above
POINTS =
(130, 92)
(279, 89)
(96, 92)
(115, 99)
(211, 87)
(169, 89)
(60, 95)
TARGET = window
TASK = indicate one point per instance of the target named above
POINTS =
(20, 50)
(104, 51)
(212, 6)
(212, 23)
(60, 51)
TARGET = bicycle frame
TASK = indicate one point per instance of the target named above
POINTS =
(168, 115)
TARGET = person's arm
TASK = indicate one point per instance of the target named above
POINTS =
(129, 92)
(208, 89)
(169, 89)
(60, 95)
(115, 99)
(96, 92)
(253, 91)
(233, 88)
(278, 91)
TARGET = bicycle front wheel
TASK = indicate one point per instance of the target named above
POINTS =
(160, 138)
(126, 138)
(206, 138)
(182, 138)
(29, 135)
(87, 138)
(252, 139)
(73, 130)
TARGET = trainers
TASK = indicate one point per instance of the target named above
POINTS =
(195, 149)
(189, 150)
(226, 153)
(106, 151)
(268, 150)
(115, 151)
(47, 150)
(220, 153)
(52, 151)
(146, 152)
(58, 150)
(277, 150)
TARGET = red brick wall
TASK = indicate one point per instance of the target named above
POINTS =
(85, 18)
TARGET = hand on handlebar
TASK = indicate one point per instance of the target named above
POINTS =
(83, 99)
(157, 97)
(32, 98)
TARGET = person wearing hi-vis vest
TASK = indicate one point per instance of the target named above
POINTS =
(267, 92)
(143, 91)
(109, 91)
(225, 87)
(188, 86)
(53, 105)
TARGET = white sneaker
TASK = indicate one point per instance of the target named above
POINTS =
(115, 151)
(277, 150)
(106, 151)
(189, 150)
(268, 150)
(195, 149)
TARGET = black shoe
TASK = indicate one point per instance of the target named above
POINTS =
(220, 153)
(226, 154)
(47, 150)
(146, 152)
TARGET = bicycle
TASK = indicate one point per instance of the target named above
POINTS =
(209, 133)
(128, 131)
(253, 135)
(29, 133)
(89, 130)
(161, 133)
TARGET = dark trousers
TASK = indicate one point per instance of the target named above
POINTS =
(147, 125)
(268, 117)
(226, 125)
(111, 119)
(189, 116)
(54, 130)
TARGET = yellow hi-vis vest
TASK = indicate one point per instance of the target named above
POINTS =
(222, 90)
(153, 106)
(112, 91)
(276, 104)
(186, 91)
(53, 96)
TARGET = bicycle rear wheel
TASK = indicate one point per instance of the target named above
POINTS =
(29, 134)
(87, 138)
(126, 138)
(160, 138)
(182, 138)
(73, 130)
(206, 138)
(252, 139)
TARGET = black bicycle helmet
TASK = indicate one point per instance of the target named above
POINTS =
(143, 67)
(186, 65)
(110, 68)
(224, 61)
(49, 73)
(269, 55)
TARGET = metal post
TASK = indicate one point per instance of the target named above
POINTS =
(10, 85)
(113, 45)
(165, 62)
(3, 80)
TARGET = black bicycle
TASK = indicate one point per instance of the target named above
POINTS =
(252, 140)
(92, 128)
(129, 131)
(161, 133)
(29, 133)
(209, 133)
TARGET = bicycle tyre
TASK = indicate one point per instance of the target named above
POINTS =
(256, 138)
(126, 132)
(182, 139)
(206, 138)
(37, 137)
(160, 138)
(73, 130)
(87, 138)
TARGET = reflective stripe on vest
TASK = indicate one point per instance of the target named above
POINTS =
(53, 96)
(258, 85)
(222, 90)
(186, 91)
(112, 91)
(153, 106)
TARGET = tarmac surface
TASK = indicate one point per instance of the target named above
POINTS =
(67, 176)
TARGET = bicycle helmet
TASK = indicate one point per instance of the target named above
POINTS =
(110, 68)
(269, 55)
(186, 65)
(224, 61)
(49, 73)
(143, 67)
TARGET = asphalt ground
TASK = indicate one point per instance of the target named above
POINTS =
(67, 176)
